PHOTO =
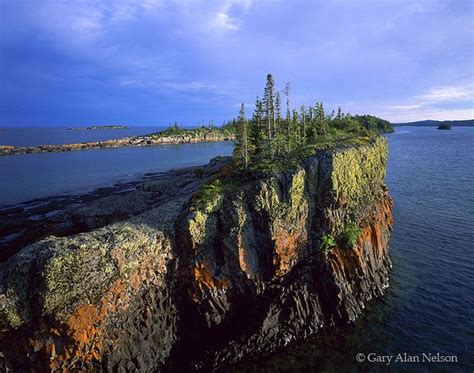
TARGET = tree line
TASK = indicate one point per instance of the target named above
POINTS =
(275, 131)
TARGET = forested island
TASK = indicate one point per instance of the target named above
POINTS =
(444, 126)
(435, 123)
(173, 135)
(106, 127)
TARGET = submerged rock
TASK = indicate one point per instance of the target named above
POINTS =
(186, 285)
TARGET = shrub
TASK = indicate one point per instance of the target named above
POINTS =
(351, 233)
(327, 243)
(211, 191)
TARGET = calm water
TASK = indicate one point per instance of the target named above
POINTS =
(61, 135)
(29, 176)
(429, 306)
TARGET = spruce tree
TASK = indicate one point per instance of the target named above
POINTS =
(242, 146)
(294, 135)
(257, 129)
(269, 105)
(288, 113)
(277, 123)
(303, 122)
(321, 125)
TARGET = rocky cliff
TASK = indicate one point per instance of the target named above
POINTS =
(194, 283)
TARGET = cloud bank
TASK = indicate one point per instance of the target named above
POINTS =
(157, 61)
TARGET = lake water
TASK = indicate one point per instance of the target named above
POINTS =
(33, 136)
(429, 306)
(29, 176)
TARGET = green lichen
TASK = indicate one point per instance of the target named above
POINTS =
(358, 173)
(62, 274)
(283, 213)
(208, 200)
(297, 188)
(197, 227)
(267, 198)
(10, 310)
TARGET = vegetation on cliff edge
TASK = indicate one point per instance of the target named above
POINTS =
(278, 137)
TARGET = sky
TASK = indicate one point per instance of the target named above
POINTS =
(152, 62)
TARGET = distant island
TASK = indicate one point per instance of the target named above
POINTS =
(172, 135)
(266, 141)
(107, 127)
(444, 126)
(434, 123)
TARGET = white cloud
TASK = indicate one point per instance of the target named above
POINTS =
(430, 105)
(84, 20)
(428, 113)
(222, 20)
(447, 94)
(177, 86)
(193, 86)
(406, 107)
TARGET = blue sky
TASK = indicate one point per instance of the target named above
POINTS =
(151, 62)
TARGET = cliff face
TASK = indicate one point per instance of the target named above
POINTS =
(189, 284)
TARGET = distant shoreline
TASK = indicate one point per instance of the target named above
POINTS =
(162, 138)
(436, 123)
(107, 127)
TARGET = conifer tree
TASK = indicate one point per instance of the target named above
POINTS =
(303, 122)
(269, 105)
(243, 136)
(257, 130)
(288, 113)
(321, 125)
(277, 123)
(295, 130)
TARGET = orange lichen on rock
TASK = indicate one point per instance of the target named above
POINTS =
(286, 250)
(242, 255)
(84, 332)
(204, 278)
(369, 244)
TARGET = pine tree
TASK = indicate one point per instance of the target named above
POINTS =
(294, 135)
(257, 130)
(277, 123)
(269, 105)
(288, 113)
(303, 122)
(242, 150)
(321, 124)
(339, 113)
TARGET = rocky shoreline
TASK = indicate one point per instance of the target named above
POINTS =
(158, 278)
(135, 141)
